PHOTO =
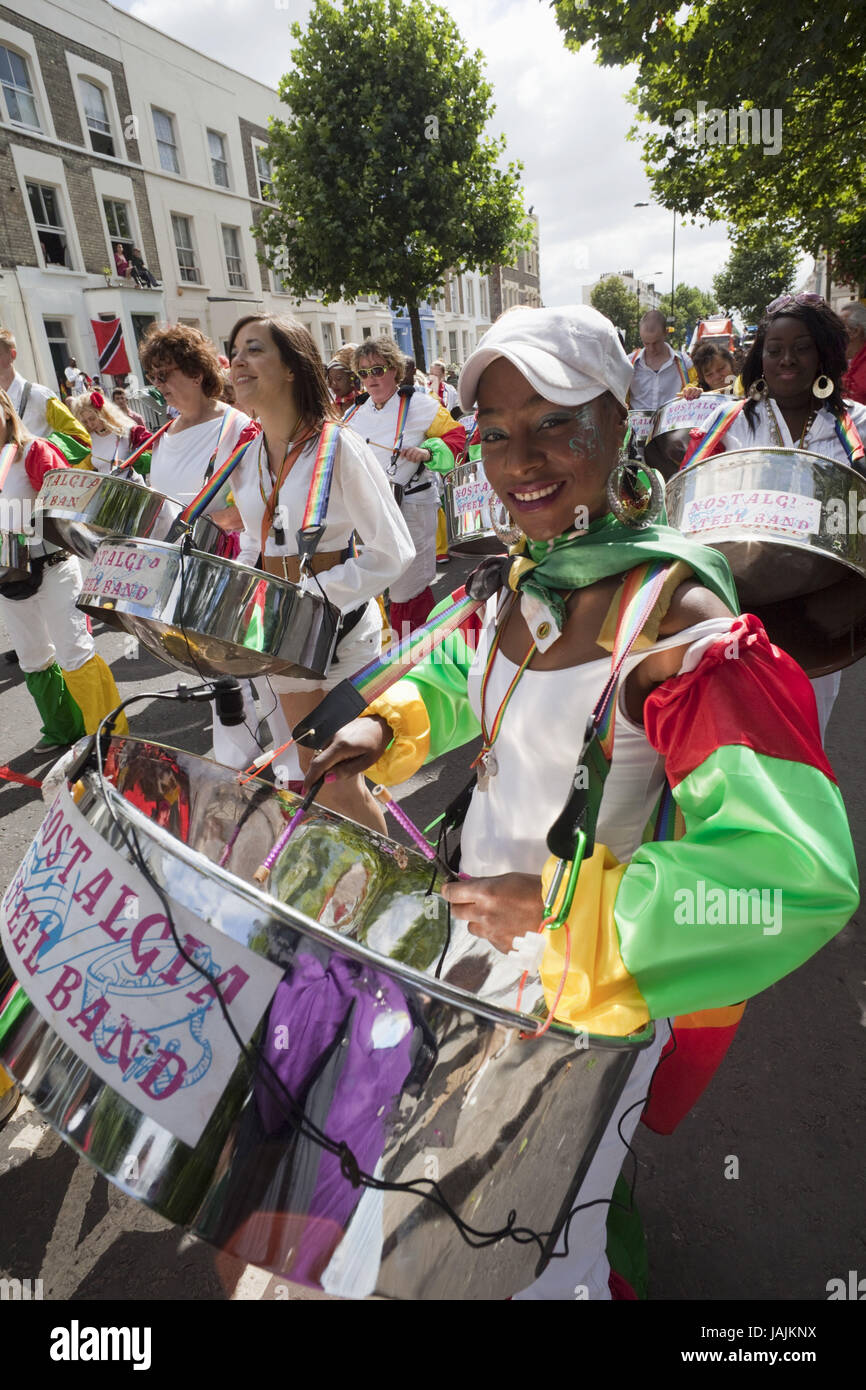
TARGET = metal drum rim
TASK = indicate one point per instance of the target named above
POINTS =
(174, 548)
(194, 859)
(763, 449)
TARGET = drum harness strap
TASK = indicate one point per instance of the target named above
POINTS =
(312, 526)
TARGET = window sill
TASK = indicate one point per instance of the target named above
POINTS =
(63, 270)
(193, 285)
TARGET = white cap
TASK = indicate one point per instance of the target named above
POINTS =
(569, 355)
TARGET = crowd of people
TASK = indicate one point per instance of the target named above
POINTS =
(736, 745)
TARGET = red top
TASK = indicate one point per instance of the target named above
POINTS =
(854, 380)
(40, 458)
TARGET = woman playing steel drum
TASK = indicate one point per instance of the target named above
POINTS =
(184, 364)
(70, 683)
(278, 374)
(792, 377)
(113, 435)
(409, 433)
(736, 741)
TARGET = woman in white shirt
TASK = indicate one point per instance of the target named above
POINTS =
(113, 435)
(278, 375)
(792, 377)
(183, 363)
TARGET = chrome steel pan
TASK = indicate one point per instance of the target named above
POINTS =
(14, 557)
(78, 509)
(668, 440)
(209, 616)
(468, 499)
(421, 1077)
(789, 523)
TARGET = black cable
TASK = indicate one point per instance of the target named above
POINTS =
(260, 1069)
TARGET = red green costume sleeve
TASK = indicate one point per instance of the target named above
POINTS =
(764, 875)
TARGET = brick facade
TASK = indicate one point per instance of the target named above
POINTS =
(16, 244)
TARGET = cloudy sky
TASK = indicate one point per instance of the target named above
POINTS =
(563, 116)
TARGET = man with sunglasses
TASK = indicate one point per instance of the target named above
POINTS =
(410, 434)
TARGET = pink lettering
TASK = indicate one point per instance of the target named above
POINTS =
(170, 976)
(125, 1057)
(31, 964)
(61, 992)
(52, 858)
(49, 826)
(238, 979)
(145, 960)
(23, 904)
(91, 1017)
(82, 850)
(148, 1082)
(108, 922)
(90, 894)
(27, 927)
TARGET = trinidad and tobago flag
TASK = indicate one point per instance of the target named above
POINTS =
(113, 360)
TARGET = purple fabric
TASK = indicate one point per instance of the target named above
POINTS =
(350, 1007)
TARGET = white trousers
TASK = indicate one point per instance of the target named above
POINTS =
(238, 745)
(419, 515)
(583, 1272)
(48, 627)
(826, 689)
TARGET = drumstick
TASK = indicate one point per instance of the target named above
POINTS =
(260, 763)
(263, 871)
(382, 794)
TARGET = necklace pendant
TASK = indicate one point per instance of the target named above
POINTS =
(487, 768)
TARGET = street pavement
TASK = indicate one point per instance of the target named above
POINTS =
(779, 1222)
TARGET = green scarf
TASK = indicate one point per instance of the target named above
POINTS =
(542, 568)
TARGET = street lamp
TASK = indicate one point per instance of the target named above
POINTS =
(673, 257)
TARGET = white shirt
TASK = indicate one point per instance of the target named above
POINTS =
(34, 416)
(450, 394)
(537, 752)
(379, 428)
(821, 438)
(360, 500)
(651, 389)
(108, 450)
(180, 460)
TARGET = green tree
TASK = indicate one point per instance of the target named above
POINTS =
(615, 300)
(793, 77)
(690, 304)
(382, 176)
(759, 268)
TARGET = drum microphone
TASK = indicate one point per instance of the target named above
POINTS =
(228, 696)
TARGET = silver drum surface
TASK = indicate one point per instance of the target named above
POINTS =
(79, 509)
(437, 1083)
(207, 615)
(467, 514)
(808, 588)
(14, 557)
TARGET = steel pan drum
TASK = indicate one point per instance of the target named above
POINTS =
(207, 615)
(14, 557)
(668, 439)
(789, 523)
(421, 1078)
(468, 499)
(79, 509)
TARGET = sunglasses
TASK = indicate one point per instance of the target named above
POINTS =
(158, 378)
(786, 300)
(364, 372)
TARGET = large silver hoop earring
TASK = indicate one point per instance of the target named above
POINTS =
(822, 387)
(504, 526)
(632, 503)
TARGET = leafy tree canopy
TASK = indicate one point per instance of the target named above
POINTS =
(690, 304)
(795, 73)
(383, 178)
(616, 301)
(759, 268)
